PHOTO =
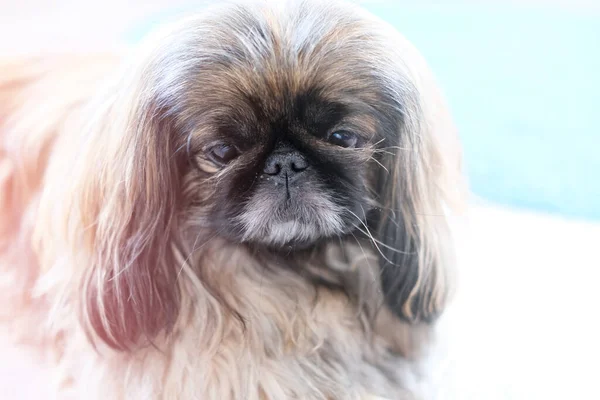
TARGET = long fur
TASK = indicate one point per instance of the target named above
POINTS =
(95, 223)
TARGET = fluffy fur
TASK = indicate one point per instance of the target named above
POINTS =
(153, 271)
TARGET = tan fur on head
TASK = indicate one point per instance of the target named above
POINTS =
(107, 196)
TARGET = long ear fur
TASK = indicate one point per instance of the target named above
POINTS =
(120, 198)
(130, 290)
(424, 182)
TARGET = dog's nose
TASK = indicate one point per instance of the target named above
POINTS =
(285, 165)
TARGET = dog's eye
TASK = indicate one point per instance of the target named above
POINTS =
(343, 139)
(222, 153)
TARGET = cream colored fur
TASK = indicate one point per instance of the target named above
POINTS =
(267, 334)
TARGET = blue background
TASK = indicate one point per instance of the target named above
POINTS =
(524, 88)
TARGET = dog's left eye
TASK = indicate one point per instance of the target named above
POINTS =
(343, 139)
(223, 154)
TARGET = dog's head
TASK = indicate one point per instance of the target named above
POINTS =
(279, 126)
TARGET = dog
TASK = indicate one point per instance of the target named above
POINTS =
(251, 205)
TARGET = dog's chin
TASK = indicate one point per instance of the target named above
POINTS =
(288, 236)
(287, 243)
(293, 246)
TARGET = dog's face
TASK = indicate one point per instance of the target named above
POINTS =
(287, 168)
(292, 167)
(285, 132)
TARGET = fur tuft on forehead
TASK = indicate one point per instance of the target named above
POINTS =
(245, 55)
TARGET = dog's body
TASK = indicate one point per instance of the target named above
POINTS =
(204, 316)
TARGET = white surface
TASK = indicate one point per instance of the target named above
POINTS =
(525, 321)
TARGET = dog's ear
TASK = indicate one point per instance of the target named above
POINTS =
(421, 184)
(414, 271)
(127, 200)
(109, 213)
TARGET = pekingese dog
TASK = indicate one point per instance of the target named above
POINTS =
(252, 207)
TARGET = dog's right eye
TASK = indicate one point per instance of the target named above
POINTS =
(223, 154)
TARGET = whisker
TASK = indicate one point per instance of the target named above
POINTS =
(387, 246)
(382, 166)
(382, 207)
(365, 256)
(381, 151)
(194, 249)
(370, 236)
(397, 148)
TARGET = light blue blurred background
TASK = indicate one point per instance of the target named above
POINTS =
(524, 87)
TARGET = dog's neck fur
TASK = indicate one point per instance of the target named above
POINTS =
(261, 335)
